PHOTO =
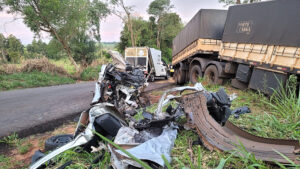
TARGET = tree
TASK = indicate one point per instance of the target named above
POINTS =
(83, 48)
(171, 25)
(2, 47)
(97, 12)
(54, 49)
(233, 2)
(156, 9)
(14, 48)
(145, 33)
(36, 49)
(126, 18)
(62, 19)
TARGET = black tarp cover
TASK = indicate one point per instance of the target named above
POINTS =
(206, 24)
(270, 23)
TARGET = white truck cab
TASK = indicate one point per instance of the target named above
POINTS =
(149, 59)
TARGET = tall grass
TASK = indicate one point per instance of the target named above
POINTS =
(90, 73)
(32, 79)
(281, 118)
(65, 63)
(285, 102)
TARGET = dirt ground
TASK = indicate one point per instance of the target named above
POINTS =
(36, 142)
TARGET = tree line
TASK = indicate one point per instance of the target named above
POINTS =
(74, 27)
(157, 32)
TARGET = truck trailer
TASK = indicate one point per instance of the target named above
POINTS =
(258, 48)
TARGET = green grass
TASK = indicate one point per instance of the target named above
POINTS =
(32, 79)
(184, 156)
(274, 117)
(7, 162)
(90, 73)
(10, 140)
(24, 148)
(65, 63)
(14, 141)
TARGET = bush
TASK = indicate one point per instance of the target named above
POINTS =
(43, 65)
(9, 69)
(32, 65)
(90, 73)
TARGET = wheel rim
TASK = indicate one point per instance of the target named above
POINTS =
(63, 140)
(195, 76)
(211, 77)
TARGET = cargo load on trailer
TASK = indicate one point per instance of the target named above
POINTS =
(259, 48)
(201, 36)
(269, 23)
(206, 24)
(264, 39)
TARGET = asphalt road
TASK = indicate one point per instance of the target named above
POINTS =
(37, 110)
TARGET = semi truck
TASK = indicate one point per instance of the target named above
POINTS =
(255, 46)
(149, 60)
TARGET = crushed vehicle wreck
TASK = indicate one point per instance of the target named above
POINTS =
(117, 87)
(154, 134)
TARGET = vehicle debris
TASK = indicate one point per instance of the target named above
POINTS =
(153, 149)
(226, 138)
(154, 134)
(118, 60)
(117, 87)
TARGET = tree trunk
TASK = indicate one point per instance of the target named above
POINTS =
(157, 38)
(3, 55)
(238, 1)
(67, 49)
(158, 34)
(70, 56)
(131, 30)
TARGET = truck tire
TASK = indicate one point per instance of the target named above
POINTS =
(175, 76)
(212, 75)
(167, 76)
(152, 78)
(195, 73)
(179, 76)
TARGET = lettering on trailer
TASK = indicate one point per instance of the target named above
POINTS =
(244, 27)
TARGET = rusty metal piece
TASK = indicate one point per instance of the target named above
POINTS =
(216, 137)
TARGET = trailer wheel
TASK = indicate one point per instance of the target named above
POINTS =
(195, 73)
(179, 76)
(212, 75)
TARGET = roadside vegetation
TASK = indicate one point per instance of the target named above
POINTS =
(45, 72)
(32, 79)
(265, 120)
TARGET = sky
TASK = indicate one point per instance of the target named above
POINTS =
(112, 25)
